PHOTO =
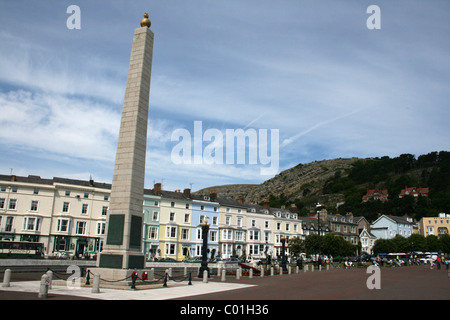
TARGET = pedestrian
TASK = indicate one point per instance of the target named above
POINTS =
(438, 263)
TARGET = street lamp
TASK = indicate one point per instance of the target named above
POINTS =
(318, 205)
(204, 265)
(283, 255)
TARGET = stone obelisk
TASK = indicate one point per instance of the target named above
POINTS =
(122, 249)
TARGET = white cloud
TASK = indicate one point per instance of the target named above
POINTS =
(48, 123)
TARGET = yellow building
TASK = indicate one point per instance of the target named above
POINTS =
(175, 225)
(436, 226)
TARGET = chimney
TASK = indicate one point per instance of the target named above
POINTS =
(240, 199)
(157, 189)
(266, 204)
(187, 193)
(213, 195)
(13, 178)
(293, 208)
(91, 182)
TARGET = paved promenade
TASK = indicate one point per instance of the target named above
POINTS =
(405, 283)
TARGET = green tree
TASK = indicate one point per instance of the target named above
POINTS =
(311, 244)
(433, 243)
(445, 243)
(296, 246)
(417, 242)
(383, 246)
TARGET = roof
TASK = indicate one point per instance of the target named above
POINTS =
(38, 180)
(413, 191)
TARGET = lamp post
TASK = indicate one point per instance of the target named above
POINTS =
(318, 205)
(204, 265)
(283, 254)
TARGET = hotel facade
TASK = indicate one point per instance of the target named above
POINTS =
(70, 217)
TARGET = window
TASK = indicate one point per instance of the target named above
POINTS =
(61, 245)
(239, 235)
(187, 217)
(99, 245)
(34, 205)
(67, 193)
(239, 221)
(101, 227)
(63, 225)
(278, 225)
(266, 236)
(153, 233)
(172, 216)
(14, 189)
(2, 203)
(65, 207)
(36, 191)
(12, 204)
(202, 207)
(253, 249)
(9, 224)
(31, 224)
(172, 204)
(253, 222)
(227, 234)
(184, 234)
(81, 227)
(84, 208)
(287, 226)
(199, 234)
(254, 235)
(187, 205)
(228, 220)
(170, 248)
(104, 210)
(106, 197)
(86, 195)
(155, 215)
(214, 220)
(227, 249)
(213, 236)
(171, 232)
(266, 224)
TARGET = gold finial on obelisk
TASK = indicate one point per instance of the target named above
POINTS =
(146, 22)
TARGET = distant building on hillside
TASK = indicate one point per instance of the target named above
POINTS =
(415, 192)
(376, 194)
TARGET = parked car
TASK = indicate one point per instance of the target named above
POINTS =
(231, 260)
(167, 259)
(195, 259)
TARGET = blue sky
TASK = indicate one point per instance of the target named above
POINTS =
(310, 69)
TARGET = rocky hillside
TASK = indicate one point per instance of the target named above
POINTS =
(304, 182)
(342, 183)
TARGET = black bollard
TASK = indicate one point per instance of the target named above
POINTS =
(133, 280)
(87, 278)
(165, 280)
(190, 282)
